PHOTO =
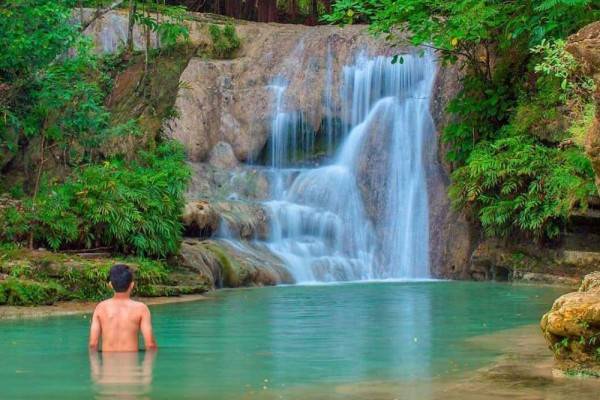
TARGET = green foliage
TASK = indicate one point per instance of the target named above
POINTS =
(225, 41)
(456, 26)
(172, 27)
(20, 292)
(134, 207)
(167, 21)
(560, 64)
(56, 277)
(517, 184)
(91, 281)
(50, 94)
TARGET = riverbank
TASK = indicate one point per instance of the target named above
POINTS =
(65, 308)
(44, 278)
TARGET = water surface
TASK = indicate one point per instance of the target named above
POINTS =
(276, 342)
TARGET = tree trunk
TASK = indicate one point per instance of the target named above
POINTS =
(293, 8)
(36, 187)
(267, 11)
(132, 11)
(157, 23)
(249, 10)
(147, 44)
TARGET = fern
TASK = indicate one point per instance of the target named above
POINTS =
(133, 207)
(516, 184)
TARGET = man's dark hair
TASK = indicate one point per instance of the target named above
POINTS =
(120, 277)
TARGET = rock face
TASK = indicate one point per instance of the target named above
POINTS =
(572, 327)
(562, 264)
(200, 219)
(452, 237)
(371, 164)
(222, 156)
(232, 100)
(585, 46)
(227, 266)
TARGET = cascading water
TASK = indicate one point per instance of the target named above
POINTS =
(319, 226)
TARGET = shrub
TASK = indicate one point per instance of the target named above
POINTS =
(54, 277)
(517, 184)
(224, 41)
(132, 207)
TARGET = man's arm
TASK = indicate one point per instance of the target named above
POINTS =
(95, 331)
(146, 328)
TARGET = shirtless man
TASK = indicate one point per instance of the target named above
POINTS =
(120, 319)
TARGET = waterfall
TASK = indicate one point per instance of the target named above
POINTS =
(319, 223)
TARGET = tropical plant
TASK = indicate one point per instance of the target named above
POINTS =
(132, 207)
(224, 40)
(516, 184)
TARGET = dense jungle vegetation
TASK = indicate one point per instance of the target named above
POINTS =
(79, 169)
(516, 140)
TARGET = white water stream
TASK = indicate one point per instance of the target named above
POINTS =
(319, 226)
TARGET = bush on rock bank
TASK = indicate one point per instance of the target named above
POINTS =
(42, 277)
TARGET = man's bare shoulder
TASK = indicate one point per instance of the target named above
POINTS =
(138, 305)
(102, 305)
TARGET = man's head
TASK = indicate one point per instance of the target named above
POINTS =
(121, 278)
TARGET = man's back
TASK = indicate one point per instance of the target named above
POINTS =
(119, 320)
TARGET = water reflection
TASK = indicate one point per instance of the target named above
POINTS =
(122, 375)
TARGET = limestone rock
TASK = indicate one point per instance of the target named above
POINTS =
(452, 236)
(228, 266)
(372, 162)
(222, 156)
(591, 282)
(560, 264)
(233, 100)
(200, 219)
(572, 327)
(213, 183)
(585, 46)
(240, 219)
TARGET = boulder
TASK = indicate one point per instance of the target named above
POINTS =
(585, 46)
(242, 220)
(226, 265)
(222, 156)
(200, 218)
(572, 327)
